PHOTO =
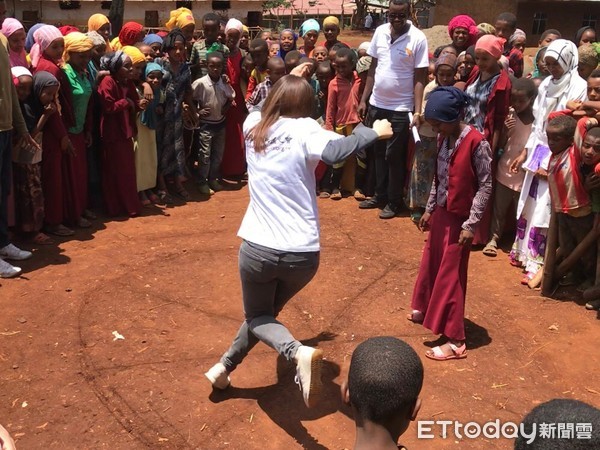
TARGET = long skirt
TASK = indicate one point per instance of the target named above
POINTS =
(441, 285)
(118, 178)
(234, 158)
(75, 180)
(29, 199)
(146, 160)
(52, 180)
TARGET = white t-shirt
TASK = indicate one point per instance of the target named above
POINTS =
(282, 213)
(396, 63)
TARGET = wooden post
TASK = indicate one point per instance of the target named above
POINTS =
(550, 257)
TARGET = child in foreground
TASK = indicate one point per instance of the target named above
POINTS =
(384, 382)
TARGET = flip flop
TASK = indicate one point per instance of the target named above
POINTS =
(490, 250)
(437, 354)
(415, 317)
(42, 239)
(60, 230)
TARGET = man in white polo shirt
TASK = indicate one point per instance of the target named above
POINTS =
(394, 87)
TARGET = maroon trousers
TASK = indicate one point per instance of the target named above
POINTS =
(441, 284)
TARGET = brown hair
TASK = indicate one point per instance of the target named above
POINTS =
(291, 96)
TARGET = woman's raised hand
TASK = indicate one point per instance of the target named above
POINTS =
(383, 128)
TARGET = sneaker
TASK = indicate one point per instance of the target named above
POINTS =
(336, 195)
(218, 376)
(308, 374)
(389, 212)
(215, 185)
(7, 270)
(14, 253)
(205, 189)
(371, 203)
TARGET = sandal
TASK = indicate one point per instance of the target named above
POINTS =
(164, 197)
(336, 195)
(60, 230)
(89, 214)
(593, 305)
(415, 316)
(437, 354)
(491, 249)
(324, 194)
(153, 198)
(42, 239)
(83, 223)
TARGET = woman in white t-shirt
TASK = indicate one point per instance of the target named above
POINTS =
(279, 254)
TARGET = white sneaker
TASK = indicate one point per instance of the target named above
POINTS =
(7, 270)
(309, 362)
(218, 376)
(14, 253)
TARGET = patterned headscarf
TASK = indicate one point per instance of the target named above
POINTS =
(97, 38)
(130, 33)
(76, 43)
(180, 18)
(9, 27)
(113, 61)
(43, 37)
(516, 35)
(134, 53)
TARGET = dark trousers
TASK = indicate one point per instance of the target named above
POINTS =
(5, 180)
(571, 231)
(390, 156)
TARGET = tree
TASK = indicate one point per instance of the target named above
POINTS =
(270, 5)
(116, 14)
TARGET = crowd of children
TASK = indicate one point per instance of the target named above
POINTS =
(136, 116)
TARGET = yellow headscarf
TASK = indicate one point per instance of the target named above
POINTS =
(115, 44)
(245, 29)
(331, 20)
(97, 21)
(76, 42)
(134, 53)
(179, 18)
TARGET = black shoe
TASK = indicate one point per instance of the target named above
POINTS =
(390, 211)
(371, 203)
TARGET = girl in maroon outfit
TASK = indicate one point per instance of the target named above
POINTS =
(119, 101)
(460, 191)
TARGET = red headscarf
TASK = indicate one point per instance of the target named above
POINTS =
(130, 33)
(67, 29)
(466, 22)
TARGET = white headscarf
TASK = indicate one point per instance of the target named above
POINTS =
(234, 24)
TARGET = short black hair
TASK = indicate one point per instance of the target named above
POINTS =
(347, 53)
(559, 411)
(509, 18)
(401, 2)
(385, 378)
(211, 17)
(566, 125)
(216, 54)
(293, 54)
(526, 85)
(550, 31)
(593, 132)
(259, 44)
(275, 61)
(595, 74)
(338, 45)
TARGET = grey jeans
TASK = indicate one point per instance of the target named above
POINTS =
(270, 278)
(211, 146)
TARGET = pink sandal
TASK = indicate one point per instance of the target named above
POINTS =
(437, 354)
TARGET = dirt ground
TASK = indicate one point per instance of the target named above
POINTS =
(168, 283)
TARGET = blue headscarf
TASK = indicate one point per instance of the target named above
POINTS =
(29, 41)
(150, 39)
(282, 52)
(446, 104)
(149, 117)
(309, 25)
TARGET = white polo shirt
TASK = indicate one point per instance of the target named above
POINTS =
(396, 63)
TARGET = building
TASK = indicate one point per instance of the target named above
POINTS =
(150, 13)
(533, 16)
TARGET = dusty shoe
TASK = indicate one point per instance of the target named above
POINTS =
(215, 185)
(218, 376)
(14, 253)
(8, 270)
(309, 362)
(336, 195)
(359, 196)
